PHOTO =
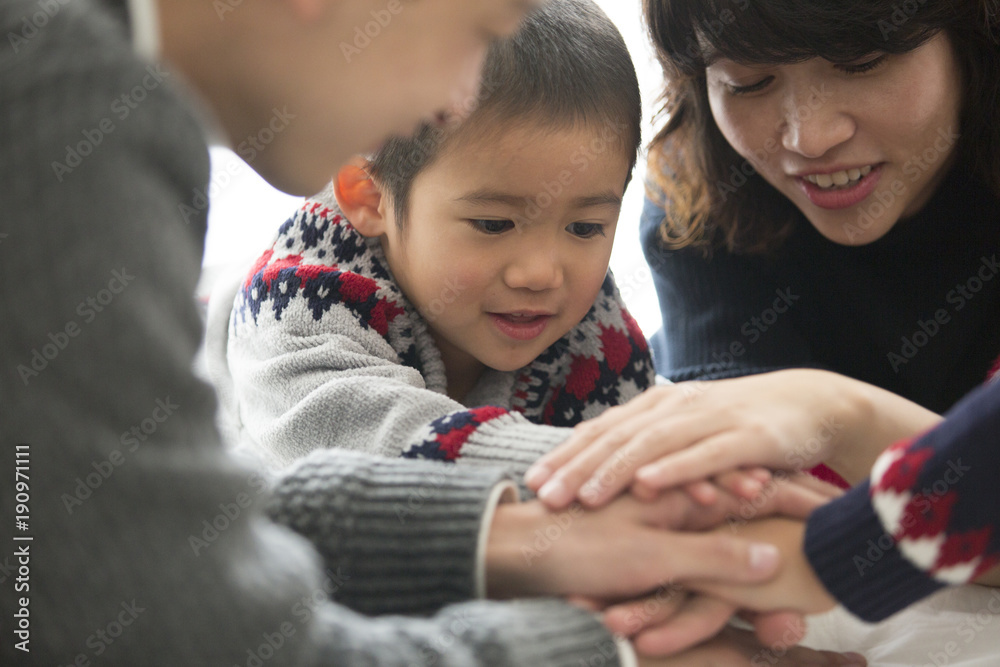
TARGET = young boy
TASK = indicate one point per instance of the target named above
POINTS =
(464, 267)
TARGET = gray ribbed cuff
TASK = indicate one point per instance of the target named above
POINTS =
(513, 443)
(536, 632)
(399, 536)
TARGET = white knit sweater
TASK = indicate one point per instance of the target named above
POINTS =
(326, 352)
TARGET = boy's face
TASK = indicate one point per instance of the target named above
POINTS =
(507, 241)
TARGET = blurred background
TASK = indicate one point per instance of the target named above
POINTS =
(246, 212)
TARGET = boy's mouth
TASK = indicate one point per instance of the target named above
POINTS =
(521, 325)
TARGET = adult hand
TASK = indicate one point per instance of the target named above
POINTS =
(627, 549)
(675, 434)
(740, 648)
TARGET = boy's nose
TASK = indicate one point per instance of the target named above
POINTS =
(534, 268)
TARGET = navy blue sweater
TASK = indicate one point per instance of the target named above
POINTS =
(916, 312)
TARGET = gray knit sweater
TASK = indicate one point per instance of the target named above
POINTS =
(149, 544)
(325, 351)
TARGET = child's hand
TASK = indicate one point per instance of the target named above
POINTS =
(675, 434)
(672, 620)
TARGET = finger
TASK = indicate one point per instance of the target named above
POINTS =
(631, 618)
(564, 485)
(779, 497)
(697, 620)
(825, 489)
(715, 558)
(643, 492)
(641, 441)
(779, 655)
(704, 493)
(741, 483)
(779, 629)
(713, 455)
(794, 500)
(583, 434)
(587, 603)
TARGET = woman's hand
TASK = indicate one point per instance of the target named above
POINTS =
(676, 434)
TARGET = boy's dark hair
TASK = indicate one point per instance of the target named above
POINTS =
(689, 157)
(567, 66)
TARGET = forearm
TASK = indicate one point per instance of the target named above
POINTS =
(328, 390)
(405, 533)
(870, 419)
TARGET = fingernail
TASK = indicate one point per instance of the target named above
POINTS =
(535, 475)
(763, 557)
(856, 659)
(554, 492)
(644, 474)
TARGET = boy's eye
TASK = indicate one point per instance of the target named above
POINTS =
(586, 230)
(491, 226)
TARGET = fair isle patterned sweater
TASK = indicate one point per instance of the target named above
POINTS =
(326, 352)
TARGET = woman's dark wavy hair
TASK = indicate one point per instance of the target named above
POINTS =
(689, 157)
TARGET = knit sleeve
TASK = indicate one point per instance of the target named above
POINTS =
(722, 315)
(325, 353)
(925, 519)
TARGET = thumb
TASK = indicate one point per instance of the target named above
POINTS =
(717, 558)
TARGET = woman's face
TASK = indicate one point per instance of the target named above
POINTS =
(855, 147)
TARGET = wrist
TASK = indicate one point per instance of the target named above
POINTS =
(876, 418)
(507, 555)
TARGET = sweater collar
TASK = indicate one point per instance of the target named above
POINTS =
(145, 26)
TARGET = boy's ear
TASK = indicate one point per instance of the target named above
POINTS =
(359, 198)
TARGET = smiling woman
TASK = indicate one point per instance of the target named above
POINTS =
(855, 167)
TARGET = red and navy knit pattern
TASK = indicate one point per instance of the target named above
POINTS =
(320, 258)
(448, 434)
(937, 500)
(927, 517)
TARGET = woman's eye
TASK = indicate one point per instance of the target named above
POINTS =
(586, 230)
(867, 66)
(752, 88)
(491, 226)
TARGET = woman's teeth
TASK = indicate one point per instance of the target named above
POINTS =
(838, 179)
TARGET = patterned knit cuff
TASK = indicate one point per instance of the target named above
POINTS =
(511, 442)
(401, 536)
(859, 562)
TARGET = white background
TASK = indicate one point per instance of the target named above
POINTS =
(246, 212)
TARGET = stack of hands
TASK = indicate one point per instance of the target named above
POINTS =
(686, 507)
